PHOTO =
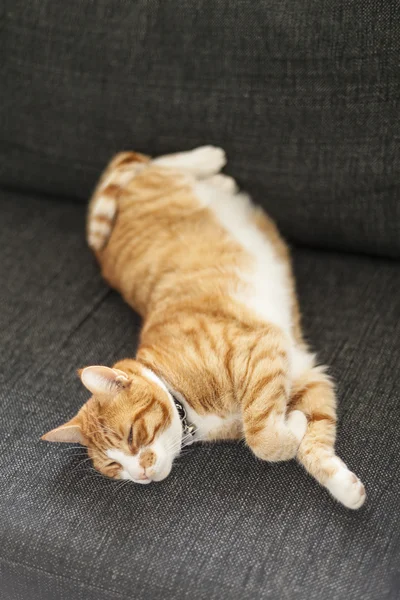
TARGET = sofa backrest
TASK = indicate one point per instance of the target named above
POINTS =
(303, 95)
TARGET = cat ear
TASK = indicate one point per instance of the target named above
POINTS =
(103, 381)
(69, 432)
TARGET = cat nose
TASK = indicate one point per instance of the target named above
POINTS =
(147, 458)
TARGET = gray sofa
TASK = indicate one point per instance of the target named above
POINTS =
(304, 97)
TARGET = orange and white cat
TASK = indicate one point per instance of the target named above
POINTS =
(221, 352)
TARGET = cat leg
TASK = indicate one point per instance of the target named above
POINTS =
(264, 390)
(222, 182)
(201, 162)
(313, 393)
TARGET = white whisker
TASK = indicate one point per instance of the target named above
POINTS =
(80, 464)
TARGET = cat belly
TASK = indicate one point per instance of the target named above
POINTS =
(265, 288)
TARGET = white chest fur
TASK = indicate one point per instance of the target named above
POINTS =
(207, 426)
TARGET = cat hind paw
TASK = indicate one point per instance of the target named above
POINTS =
(347, 488)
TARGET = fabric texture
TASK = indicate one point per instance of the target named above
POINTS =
(304, 96)
(223, 525)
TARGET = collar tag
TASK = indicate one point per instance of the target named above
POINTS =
(188, 431)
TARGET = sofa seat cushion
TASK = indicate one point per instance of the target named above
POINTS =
(223, 524)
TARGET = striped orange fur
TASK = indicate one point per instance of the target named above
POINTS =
(177, 259)
(103, 208)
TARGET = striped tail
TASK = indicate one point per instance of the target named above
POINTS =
(104, 202)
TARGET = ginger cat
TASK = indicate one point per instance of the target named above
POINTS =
(221, 352)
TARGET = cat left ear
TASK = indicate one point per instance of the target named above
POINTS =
(103, 381)
(70, 432)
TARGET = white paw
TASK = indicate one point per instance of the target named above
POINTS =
(223, 182)
(347, 488)
(206, 161)
(95, 242)
(297, 423)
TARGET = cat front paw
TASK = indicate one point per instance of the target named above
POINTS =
(297, 423)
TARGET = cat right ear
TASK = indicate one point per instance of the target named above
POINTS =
(70, 432)
(103, 381)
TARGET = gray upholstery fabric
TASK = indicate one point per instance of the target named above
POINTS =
(303, 95)
(223, 525)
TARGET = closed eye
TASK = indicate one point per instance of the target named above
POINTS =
(130, 437)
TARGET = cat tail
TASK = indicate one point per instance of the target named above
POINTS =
(101, 218)
(103, 205)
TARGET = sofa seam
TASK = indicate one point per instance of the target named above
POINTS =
(58, 576)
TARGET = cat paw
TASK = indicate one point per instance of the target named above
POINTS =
(224, 183)
(297, 423)
(347, 488)
(206, 161)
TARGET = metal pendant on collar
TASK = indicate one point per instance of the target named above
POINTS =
(187, 430)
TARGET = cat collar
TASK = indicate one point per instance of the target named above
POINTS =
(188, 431)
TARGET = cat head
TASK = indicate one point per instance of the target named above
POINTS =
(130, 425)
